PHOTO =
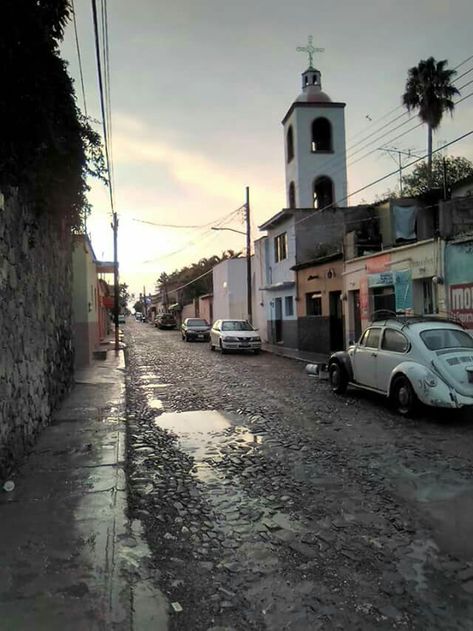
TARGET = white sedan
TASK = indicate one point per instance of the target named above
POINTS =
(237, 335)
(409, 359)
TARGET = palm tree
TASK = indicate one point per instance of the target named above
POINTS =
(429, 90)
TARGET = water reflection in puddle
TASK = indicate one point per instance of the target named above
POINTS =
(207, 435)
(155, 404)
(446, 500)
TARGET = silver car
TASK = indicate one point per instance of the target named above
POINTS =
(409, 359)
(234, 335)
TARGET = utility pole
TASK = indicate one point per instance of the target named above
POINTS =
(116, 302)
(145, 312)
(444, 178)
(248, 256)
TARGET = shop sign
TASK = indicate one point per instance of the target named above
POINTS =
(403, 291)
(382, 279)
(461, 303)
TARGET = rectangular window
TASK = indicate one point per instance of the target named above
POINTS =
(313, 303)
(280, 247)
(289, 306)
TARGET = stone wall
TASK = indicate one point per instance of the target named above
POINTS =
(36, 356)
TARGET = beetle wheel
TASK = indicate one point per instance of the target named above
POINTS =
(338, 378)
(404, 397)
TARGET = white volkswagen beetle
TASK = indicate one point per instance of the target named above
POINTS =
(409, 359)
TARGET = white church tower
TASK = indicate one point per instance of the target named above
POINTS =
(315, 150)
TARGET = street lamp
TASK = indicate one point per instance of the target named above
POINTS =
(248, 252)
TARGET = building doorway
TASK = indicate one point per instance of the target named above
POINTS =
(278, 320)
(356, 314)
(336, 321)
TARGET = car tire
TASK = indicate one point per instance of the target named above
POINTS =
(223, 350)
(186, 338)
(338, 378)
(403, 397)
(212, 347)
(256, 351)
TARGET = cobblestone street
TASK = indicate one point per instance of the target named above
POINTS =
(270, 503)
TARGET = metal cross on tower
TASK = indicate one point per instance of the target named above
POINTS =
(310, 50)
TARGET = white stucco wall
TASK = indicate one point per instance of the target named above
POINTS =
(259, 281)
(306, 165)
(280, 271)
(229, 289)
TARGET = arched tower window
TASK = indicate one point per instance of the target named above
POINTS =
(292, 195)
(323, 192)
(290, 144)
(321, 135)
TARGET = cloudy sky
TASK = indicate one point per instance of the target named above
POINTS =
(198, 92)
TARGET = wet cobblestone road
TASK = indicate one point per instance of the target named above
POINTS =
(270, 503)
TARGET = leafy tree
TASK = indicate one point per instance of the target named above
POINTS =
(123, 297)
(188, 275)
(420, 181)
(138, 306)
(430, 92)
(47, 148)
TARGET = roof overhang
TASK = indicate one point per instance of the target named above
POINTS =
(285, 284)
(319, 261)
(105, 267)
(276, 219)
(313, 105)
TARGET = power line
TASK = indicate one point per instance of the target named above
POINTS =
(333, 172)
(338, 159)
(204, 236)
(79, 58)
(192, 281)
(395, 109)
(205, 225)
(388, 175)
(108, 99)
(102, 101)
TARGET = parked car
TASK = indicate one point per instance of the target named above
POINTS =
(165, 321)
(121, 318)
(234, 335)
(195, 329)
(409, 359)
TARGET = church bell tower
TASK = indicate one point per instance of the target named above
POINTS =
(315, 149)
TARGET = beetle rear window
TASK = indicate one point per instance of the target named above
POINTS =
(437, 339)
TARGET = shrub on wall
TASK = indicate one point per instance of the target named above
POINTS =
(47, 147)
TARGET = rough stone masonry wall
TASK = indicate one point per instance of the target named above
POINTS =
(36, 356)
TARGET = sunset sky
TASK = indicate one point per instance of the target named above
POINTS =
(198, 92)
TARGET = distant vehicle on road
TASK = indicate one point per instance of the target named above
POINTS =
(195, 329)
(121, 318)
(236, 335)
(165, 321)
(410, 360)
(138, 316)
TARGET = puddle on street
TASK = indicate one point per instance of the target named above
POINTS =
(155, 404)
(447, 502)
(252, 527)
(207, 435)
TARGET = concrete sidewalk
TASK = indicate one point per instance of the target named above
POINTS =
(69, 557)
(294, 353)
